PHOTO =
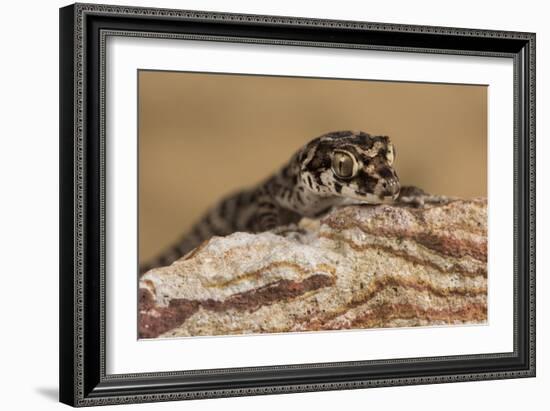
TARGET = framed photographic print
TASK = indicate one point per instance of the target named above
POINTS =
(262, 204)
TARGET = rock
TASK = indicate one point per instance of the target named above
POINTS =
(358, 267)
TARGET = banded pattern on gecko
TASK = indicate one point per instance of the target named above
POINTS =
(335, 169)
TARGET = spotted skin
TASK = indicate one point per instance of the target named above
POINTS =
(335, 169)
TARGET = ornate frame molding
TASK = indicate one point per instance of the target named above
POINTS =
(83, 35)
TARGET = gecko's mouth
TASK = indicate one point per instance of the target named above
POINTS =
(385, 200)
(382, 194)
(389, 199)
(373, 199)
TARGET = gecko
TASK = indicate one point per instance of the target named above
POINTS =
(335, 169)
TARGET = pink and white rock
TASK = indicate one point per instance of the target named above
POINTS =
(358, 267)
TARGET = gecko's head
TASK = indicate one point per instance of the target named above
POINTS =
(353, 165)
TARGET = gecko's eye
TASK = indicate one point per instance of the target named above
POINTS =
(390, 154)
(344, 164)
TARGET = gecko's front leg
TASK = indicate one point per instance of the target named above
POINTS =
(269, 216)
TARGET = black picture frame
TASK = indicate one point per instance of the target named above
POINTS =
(83, 381)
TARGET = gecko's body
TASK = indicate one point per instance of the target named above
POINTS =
(337, 168)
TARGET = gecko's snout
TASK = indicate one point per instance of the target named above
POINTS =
(389, 183)
(391, 187)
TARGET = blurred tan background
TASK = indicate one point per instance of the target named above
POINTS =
(204, 135)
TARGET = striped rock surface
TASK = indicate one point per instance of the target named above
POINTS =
(358, 267)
